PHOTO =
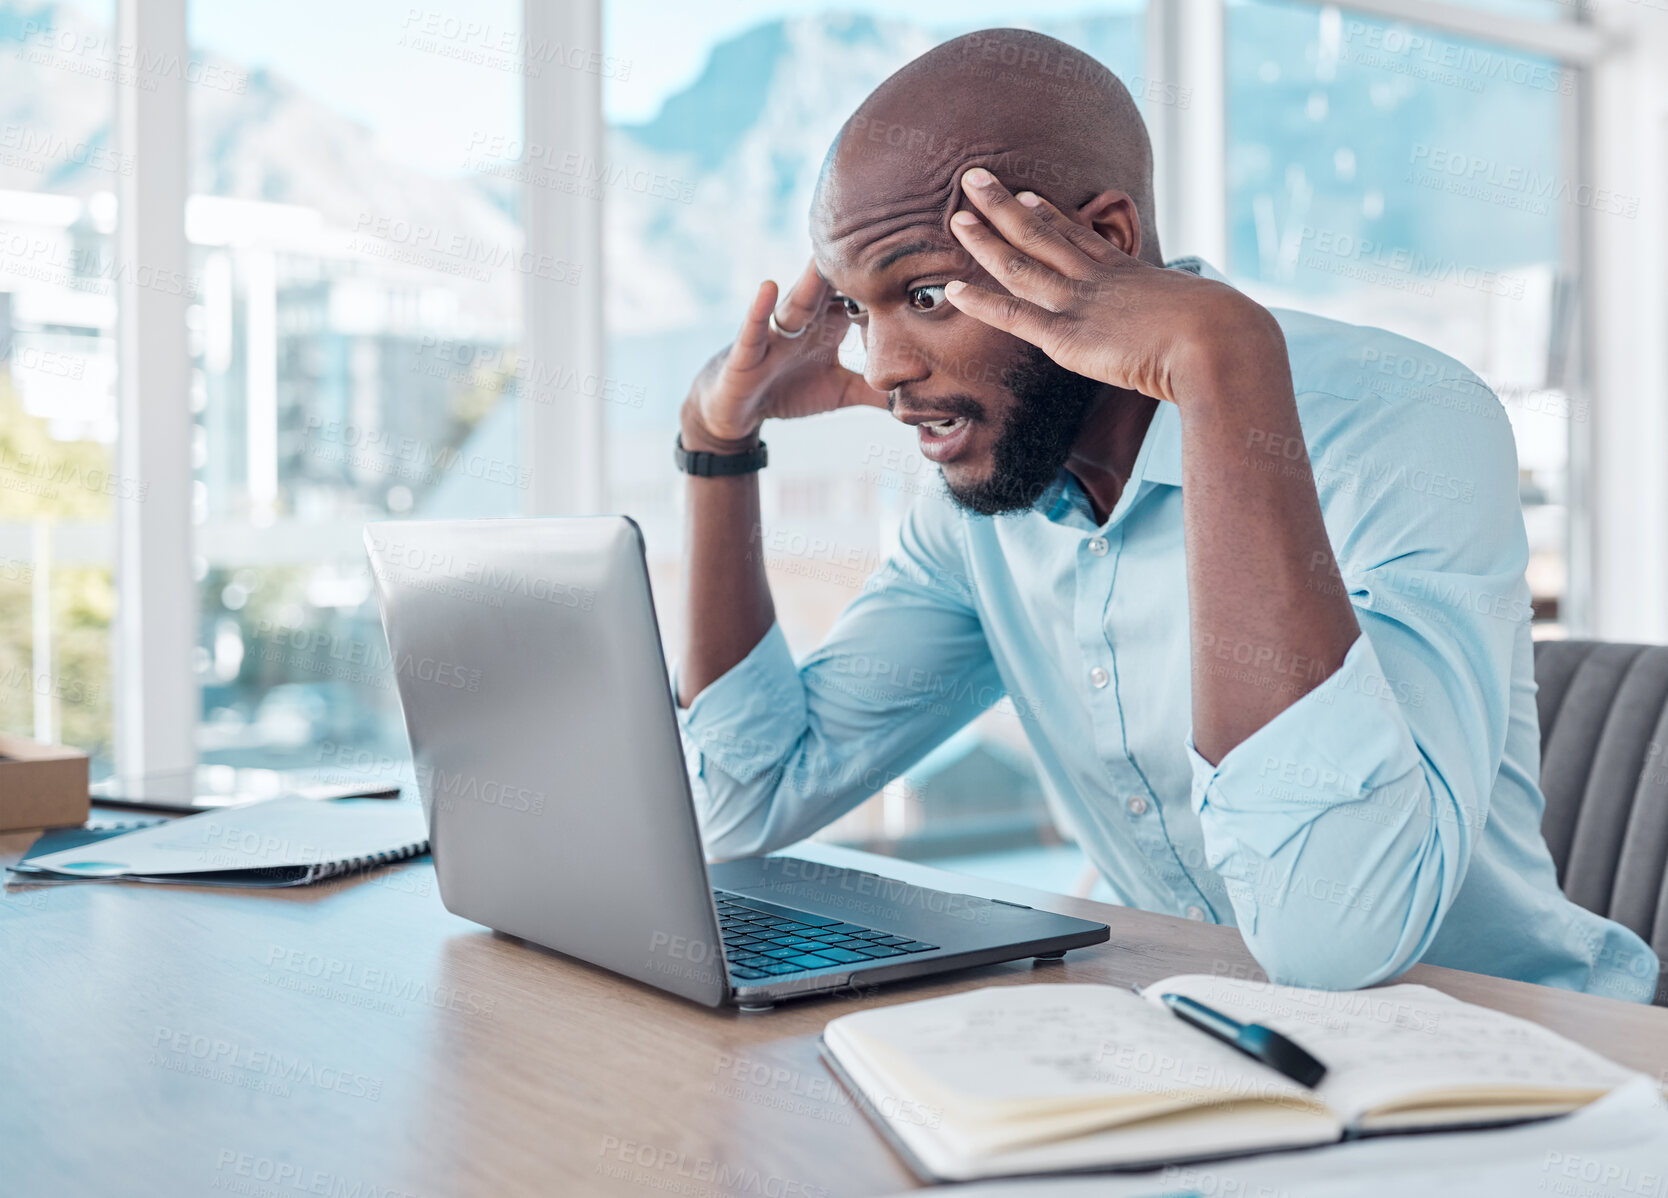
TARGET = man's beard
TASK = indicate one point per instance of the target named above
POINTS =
(1050, 405)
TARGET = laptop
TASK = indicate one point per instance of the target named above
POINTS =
(550, 763)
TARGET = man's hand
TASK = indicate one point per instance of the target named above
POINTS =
(764, 374)
(1093, 308)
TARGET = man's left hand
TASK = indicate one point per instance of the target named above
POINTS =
(1096, 310)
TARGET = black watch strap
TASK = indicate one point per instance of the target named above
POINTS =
(719, 465)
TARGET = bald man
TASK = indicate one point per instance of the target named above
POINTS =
(1253, 580)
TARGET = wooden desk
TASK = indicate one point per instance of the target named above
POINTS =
(357, 1040)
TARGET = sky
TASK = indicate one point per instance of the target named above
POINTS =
(425, 107)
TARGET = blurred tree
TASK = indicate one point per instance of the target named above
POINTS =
(42, 478)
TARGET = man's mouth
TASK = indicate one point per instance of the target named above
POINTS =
(943, 440)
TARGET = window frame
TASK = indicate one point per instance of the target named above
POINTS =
(154, 632)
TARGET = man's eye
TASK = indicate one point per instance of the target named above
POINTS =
(851, 307)
(926, 299)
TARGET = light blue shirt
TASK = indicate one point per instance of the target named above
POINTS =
(1390, 815)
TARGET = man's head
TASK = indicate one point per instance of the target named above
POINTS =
(998, 415)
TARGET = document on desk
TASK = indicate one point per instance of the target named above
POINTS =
(1046, 1078)
(278, 842)
(1615, 1148)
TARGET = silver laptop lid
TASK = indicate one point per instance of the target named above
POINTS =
(541, 721)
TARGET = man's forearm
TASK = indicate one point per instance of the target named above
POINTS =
(1270, 620)
(728, 604)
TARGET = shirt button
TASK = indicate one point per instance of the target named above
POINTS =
(1097, 546)
(1196, 913)
(1137, 805)
(1099, 677)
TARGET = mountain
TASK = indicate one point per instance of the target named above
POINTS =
(1318, 143)
(258, 138)
(54, 123)
(743, 144)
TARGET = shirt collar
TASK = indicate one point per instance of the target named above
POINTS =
(1160, 460)
(1197, 266)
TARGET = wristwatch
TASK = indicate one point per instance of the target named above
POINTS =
(719, 465)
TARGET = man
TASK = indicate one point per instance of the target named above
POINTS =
(1147, 469)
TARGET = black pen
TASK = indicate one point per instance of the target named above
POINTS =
(1253, 1039)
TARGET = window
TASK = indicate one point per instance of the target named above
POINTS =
(357, 280)
(58, 488)
(356, 228)
(1383, 173)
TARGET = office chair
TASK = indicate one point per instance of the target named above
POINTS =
(1604, 770)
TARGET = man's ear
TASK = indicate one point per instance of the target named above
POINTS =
(1112, 214)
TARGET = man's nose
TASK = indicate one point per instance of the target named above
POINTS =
(892, 360)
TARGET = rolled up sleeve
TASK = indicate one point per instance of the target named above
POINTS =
(1338, 744)
(1341, 843)
(1344, 827)
(747, 720)
(778, 749)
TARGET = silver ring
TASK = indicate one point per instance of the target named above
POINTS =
(776, 328)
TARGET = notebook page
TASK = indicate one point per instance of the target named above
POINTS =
(1185, 1135)
(269, 834)
(1009, 1065)
(1386, 1046)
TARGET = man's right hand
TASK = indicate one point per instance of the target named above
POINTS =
(761, 375)
(764, 374)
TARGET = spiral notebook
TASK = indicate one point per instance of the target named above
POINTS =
(277, 842)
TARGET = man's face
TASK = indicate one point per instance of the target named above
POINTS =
(996, 414)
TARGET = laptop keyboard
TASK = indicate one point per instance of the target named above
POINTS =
(760, 944)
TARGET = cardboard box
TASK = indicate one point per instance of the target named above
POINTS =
(41, 786)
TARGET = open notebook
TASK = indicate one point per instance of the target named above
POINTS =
(1049, 1078)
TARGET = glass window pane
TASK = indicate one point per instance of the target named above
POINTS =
(355, 344)
(58, 495)
(1384, 174)
(734, 110)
